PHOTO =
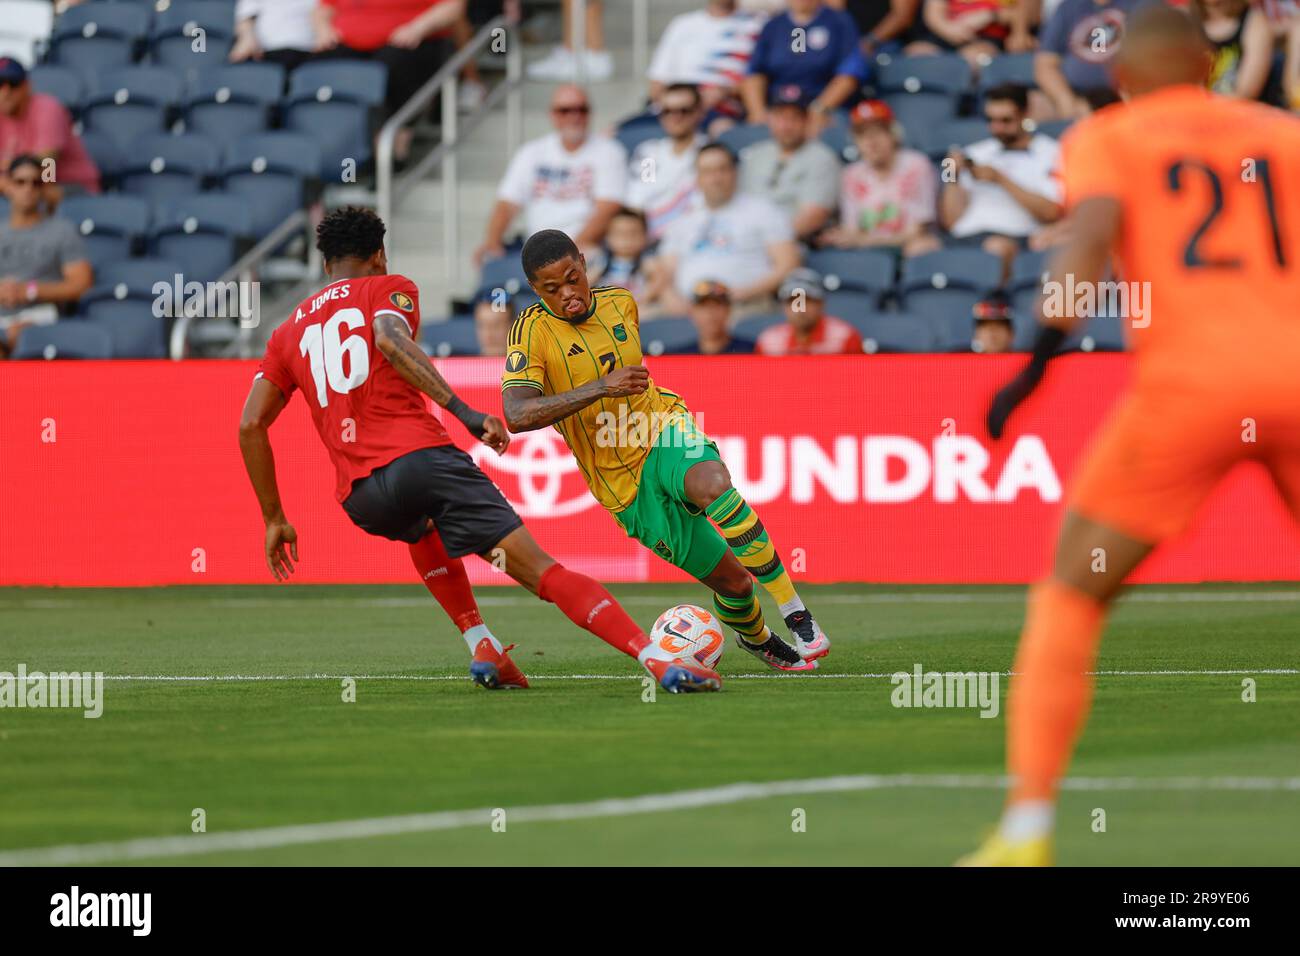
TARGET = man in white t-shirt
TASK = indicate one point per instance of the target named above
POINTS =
(661, 176)
(1007, 188)
(709, 48)
(568, 180)
(744, 241)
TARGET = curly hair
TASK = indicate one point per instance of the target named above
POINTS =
(352, 232)
(545, 247)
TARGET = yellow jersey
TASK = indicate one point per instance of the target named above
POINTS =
(611, 437)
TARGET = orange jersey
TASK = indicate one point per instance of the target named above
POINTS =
(1209, 190)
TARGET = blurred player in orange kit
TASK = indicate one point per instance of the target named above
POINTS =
(1198, 198)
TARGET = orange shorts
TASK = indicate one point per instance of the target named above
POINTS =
(1161, 453)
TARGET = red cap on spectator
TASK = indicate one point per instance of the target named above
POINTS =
(871, 111)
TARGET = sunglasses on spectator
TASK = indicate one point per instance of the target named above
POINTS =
(677, 110)
(568, 110)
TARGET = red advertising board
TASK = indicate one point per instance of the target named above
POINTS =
(872, 468)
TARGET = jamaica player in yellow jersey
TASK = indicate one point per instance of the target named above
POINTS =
(574, 361)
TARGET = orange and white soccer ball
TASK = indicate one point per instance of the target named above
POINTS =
(690, 633)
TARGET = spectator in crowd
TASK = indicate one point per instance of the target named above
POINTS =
(567, 180)
(1291, 77)
(993, 333)
(711, 316)
(887, 198)
(1074, 48)
(410, 37)
(280, 31)
(977, 29)
(563, 62)
(472, 92)
(1005, 188)
(745, 239)
(43, 262)
(494, 313)
(36, 124)
(794, 169)
(661, 176)
(1026, 16)
(811, 46)
(1243, 46)
(807, 329)
(710, 49)
(623, 259)
(883, 24)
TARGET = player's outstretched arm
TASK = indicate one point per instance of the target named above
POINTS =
(1094, 227)
(263, 406)
(527, 411)
(393, 338)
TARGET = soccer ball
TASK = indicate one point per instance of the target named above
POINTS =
(690, 633)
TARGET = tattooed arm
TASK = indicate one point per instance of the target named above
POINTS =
(393, 338)
(526, 410)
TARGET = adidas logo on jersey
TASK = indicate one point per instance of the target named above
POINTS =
(575, 349)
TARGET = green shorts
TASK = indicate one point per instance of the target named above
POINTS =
(660, 516)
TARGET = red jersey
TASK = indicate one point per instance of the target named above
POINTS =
(366, 414)
(830, 336)
(367, 24)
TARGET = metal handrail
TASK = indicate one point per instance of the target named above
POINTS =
(389, 188)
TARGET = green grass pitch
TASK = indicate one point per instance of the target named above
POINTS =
(273, 753)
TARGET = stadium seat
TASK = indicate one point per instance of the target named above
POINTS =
(946, 285)
(922, 111)
(64, 84)
(203, 232)
(960, 132)
(942, 73)
(1054, 128)
(1028, 269)
(271, 171)
(24, 26)
(106, 153)
(847, 304)
(855, 270)
(504, 272)
(110, 225)
(754, 326)
(1008, 68)
(840, 140)
(132, 328)
(70, 339)
(229, 102)
(162, 166)
(94, 37)
(895, 332)
(132, 102)
(457, 337)
(176, 31)
(743, 135)
(1101, 333)
(632, 133)
(659, 336)
(131, 279)
(333, 102)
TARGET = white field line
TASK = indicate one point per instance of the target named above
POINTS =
(148, 848)
(485, 600)
(251, 678)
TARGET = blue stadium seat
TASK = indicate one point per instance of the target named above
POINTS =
(271, 171)
(659, 336)
(110, 225)
(895, 332)
(164, 166)
(960, 132)
(177, 29)
(840, 140)
(942, 73)
(202, 232)
(64, 84)
(1054, 128)
(132, 328)
(918, 112)
(848, 304)
(632, 133)
(94, 37)
(107, 154)
(1101, 333)
(856, 270)
(70, 339)
(754, 326)
(442, 339)
(743, 135)
(132, 102)
(946, 285)
(504, 272)
(1027, 270)
(333, 102)
(230, 102)
(1008, 68)
(131, 279)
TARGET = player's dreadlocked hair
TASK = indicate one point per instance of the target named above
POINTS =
(545, 247)
(350, 233)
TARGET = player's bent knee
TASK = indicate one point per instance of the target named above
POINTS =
(707, 482)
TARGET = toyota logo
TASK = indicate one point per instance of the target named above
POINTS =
(540, 461)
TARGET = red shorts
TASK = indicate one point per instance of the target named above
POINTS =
(1161, 453)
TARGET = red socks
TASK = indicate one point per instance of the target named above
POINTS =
(587, 604)
(446, 580)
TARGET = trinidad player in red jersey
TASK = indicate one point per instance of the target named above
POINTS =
(351, 350)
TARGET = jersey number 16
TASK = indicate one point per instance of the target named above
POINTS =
(326, 345)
